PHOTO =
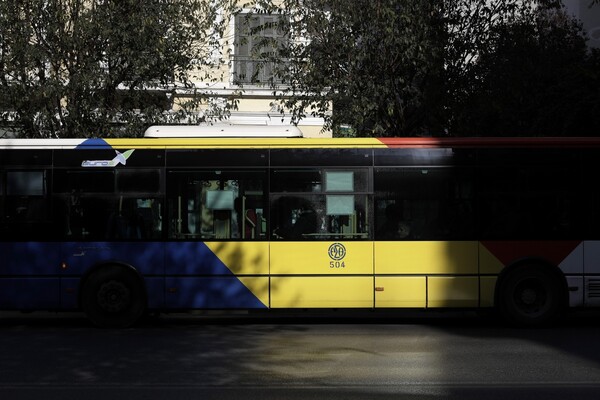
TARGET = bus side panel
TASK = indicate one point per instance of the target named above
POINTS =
(147, 258)
(322, 275)
(242, 258)
(568, 256)
(400, 291)
(215, 292)
(29, 275)
(29, 293)
(217, 275)
(426, 258)
(432, 268)
(321, 258)
(322, 292)
(452, 291)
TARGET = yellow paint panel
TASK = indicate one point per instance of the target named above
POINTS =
(395, 291)
(259, 286)
(426, 258)
(243, 258)
(322, 258)
(488, 263)
(322, 292)
(452, 291)
(487, 287)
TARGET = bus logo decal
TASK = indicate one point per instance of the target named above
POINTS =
(120, 158)
(337, 251)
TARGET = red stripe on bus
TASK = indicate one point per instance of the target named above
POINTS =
(508, 252)
(491, 142)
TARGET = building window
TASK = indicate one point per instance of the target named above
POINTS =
(256, 44)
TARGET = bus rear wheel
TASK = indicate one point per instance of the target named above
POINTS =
(530, 296)
(113, 297)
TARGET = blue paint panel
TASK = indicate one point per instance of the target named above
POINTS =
(69, 293)
(30, 275)
(29, 293)
(94, 143)
(209, 293)
(155, 287)
(147, 257)
(24, 264)
(193, 258)
(29, 258)
(219, 290)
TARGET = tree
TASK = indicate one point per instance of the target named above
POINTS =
(535, 77)
(87, 67)
(372, 61)
(411, 67)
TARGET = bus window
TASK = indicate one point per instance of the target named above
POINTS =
(216, 205)
(26, 204)
(529, 203)
(138, 180)
(67, 181)
(423, 204)
(93, 205)
(309, 204)
(26, 196)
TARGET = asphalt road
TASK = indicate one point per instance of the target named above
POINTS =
(337, 356)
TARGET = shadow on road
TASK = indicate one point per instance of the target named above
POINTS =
(329, 355)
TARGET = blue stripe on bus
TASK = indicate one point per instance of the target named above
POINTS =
(94, 143)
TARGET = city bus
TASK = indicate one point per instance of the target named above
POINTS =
(118, 228)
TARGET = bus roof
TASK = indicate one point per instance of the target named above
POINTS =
(222, 130)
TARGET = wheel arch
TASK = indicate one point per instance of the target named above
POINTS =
(533, 262)
(128, 268)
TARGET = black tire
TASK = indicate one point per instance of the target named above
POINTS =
(113, 297)
(531, 296)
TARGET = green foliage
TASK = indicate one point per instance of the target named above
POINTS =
(536, 77)
(83, 67)
(365, 57)
(415, 67)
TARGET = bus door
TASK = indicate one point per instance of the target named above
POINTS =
(29, 260)
(321, 253)
(424, 251)
(322, 274)
(217, 254)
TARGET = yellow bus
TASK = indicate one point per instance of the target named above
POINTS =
(120, 227)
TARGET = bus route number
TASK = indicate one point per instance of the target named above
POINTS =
(337, 252)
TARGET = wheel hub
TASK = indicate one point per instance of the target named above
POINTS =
(530, 296)
(113, 296)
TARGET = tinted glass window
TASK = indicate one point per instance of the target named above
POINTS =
(321, 157)
(217, 158)
(25, 183)
(221, 204)
(530, 203)
(25, 206)
(103, 216)
(423, 204)
(312, 204)
(429, 157)
(84, 181)
(138, 180)
(25, 158)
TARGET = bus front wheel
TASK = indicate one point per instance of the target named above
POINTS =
(113, 297)
(530, 296)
